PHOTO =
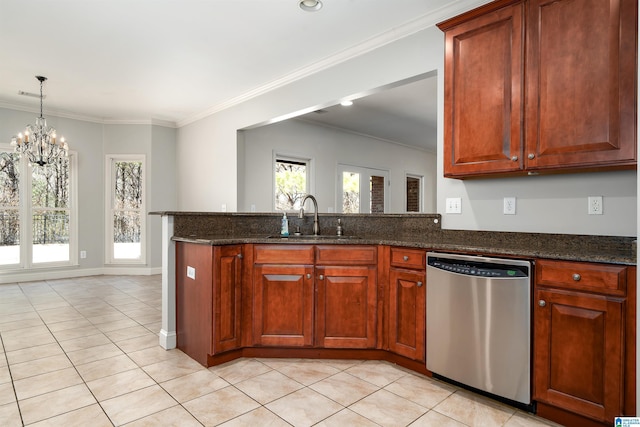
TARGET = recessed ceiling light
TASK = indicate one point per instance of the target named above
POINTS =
(346, 103)
(310, 5)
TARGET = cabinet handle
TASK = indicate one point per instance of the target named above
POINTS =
(240, 256)
(419, 284)
(576, 277)
(542, 303)
(514, 159)
(406, 258)
(531, 156)
(321, 277)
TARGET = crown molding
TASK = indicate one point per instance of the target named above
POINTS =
(390, 36)
(151, 122)
(92, 119)
(50, 113)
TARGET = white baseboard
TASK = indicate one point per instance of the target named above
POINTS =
(168, 340)
(132, 271)
(42, 274)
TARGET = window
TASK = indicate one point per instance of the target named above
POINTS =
(50, 213)
(362, 190)
(37, 213)
(126, 216)
(291, 182)
(413, 191)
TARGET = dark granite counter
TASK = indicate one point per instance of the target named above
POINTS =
(408, 230)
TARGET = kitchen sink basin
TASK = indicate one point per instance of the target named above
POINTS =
(312, 237)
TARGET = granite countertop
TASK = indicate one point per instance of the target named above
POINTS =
(524, 245)
(407, 230)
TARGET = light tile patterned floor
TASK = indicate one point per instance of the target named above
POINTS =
(84, 352)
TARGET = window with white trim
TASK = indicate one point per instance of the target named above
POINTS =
(291, 182)
(37, 212)
(126, 216)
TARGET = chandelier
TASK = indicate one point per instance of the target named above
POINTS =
(39, 142)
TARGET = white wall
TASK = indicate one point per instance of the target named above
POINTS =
(162, 192)
(545, 204)
(157, 144)
(327, 147)
(552, 204)
(85, 139)
(92, 141)
(207, 149)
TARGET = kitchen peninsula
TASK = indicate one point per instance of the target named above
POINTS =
(232, 287)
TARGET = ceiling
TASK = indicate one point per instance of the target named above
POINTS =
(173, 61)
(405, 114)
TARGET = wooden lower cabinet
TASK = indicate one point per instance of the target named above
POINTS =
(227, 303)
(208, 300)
(346, 307)
(315, 298)
(407, 315)
(194, 300)
(578, 354)
(283, 305)
(581, 340)
(306, 296)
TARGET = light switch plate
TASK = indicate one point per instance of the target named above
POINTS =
(454, 205)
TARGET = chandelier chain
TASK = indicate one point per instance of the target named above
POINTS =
(39, 142)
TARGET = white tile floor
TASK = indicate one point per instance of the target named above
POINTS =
(84, 352)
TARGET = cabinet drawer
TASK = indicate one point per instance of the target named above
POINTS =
(600, 278)
(408, 258)
(283, 254)
(346, 255)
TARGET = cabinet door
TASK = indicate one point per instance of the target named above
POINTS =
(407, 297)
(483, 94)
(581, 83)
(346, 314)
(226, 300)
(283, 305)
(578, 343)
(194, 299)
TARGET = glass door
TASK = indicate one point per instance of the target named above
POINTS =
(362, 190)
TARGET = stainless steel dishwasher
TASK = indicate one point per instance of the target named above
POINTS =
(479, 323)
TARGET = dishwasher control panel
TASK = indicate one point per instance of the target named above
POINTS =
(478, 268)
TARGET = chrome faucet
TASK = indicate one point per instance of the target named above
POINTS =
(316, 226)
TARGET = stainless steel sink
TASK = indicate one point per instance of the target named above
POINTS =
(312, 237)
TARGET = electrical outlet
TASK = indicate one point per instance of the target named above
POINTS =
(595, 205)
(191, 272)
(453, 205)
(83, 254)
(509, 206)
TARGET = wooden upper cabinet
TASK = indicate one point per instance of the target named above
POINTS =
(540, 85)
(483, 93)
(581, 64)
